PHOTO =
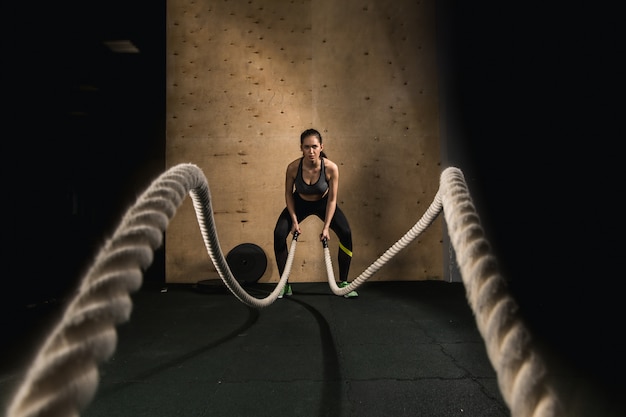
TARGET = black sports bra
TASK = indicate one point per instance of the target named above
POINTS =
(320, 186)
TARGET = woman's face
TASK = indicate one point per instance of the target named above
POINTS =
(311, 148)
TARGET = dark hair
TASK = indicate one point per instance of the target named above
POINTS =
(312, 132)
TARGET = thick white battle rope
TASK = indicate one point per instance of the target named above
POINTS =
(63, 377)
(521, 369)
(522, 373)
(426, 220)
(201, 197)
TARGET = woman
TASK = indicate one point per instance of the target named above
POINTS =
(311, 187)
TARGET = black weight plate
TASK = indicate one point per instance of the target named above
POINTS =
(247, 262)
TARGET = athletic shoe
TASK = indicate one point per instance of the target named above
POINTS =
(351, 294)
(286, 290)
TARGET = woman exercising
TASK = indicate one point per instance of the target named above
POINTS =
(311, 187)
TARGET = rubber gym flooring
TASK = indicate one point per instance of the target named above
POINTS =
(399, 349)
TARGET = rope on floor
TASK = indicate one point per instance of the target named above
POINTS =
(63, 377)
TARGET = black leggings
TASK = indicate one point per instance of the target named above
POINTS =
(304, 209)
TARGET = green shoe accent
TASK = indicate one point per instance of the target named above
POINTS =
(351, 294)
(286, 290)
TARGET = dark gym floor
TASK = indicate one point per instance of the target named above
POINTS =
(399, 349)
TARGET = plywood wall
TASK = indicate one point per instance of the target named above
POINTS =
(245, 78)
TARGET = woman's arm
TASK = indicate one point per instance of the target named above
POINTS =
(290, 179)
(332, 176)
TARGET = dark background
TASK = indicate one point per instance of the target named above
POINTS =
(527, 89)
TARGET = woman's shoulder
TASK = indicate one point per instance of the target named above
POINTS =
(294, 163)
(293, 166)
(328, 164)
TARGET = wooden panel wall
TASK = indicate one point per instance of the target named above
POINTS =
(244, 79)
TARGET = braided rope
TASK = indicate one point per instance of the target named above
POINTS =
(202, 203)
(522, 374)
(422, 224)
(63, 378)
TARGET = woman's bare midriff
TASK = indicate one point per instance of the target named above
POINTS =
(312, 197)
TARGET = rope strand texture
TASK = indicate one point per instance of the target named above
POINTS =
(521, 370)
(522, 374)
(422, 224)
(63, 377)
